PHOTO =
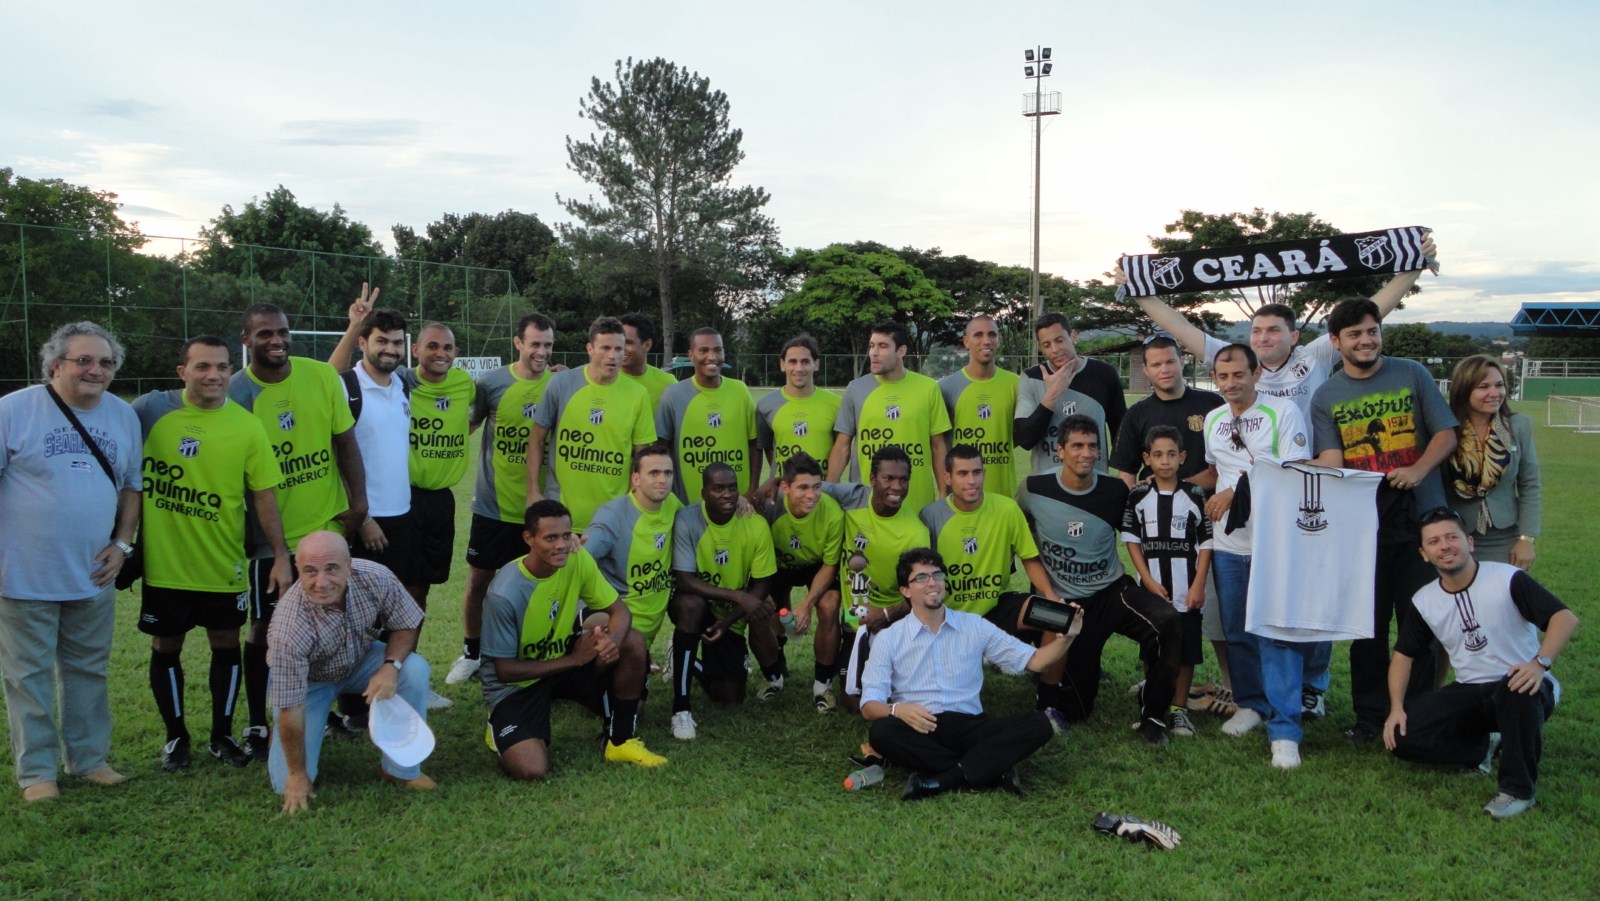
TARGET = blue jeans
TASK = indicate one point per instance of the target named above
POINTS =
(54, 656)
(1232, 572)
(1318, 659)
(1285, 668)
(320, 696)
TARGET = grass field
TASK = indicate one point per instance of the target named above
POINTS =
(755, 806)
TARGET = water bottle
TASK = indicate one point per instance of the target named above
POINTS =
(864, 777)
(786, 619)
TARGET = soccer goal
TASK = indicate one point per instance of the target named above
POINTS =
(1565, 411)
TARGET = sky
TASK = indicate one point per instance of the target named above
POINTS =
(898, 122)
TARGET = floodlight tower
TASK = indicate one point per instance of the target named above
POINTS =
(1037, 105)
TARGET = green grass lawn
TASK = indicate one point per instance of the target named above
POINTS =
(755, 806)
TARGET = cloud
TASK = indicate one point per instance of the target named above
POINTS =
(350, 132)
(1533, 277)
(123, 108)
(129, 209)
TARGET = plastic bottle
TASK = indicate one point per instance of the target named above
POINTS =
(864, 777)
(786, 619)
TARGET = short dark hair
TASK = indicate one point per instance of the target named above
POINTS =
(926, 556)
(605, 325)
(543, 509)
(384, 320)
(657, 449)
(1077, 424)
(203, 340)
(1158, 432)
(804, 341)
(1159, 342)
(641, 325)
(1282, 311)
(889, 453)
(1235, 349)
(261, 309)
(712, 469)
(1438, 515)
(538, 320)
(962, 451)
(800, 464)
(1052, 318)
(702, 330)
(894, 331)
(1352, 311)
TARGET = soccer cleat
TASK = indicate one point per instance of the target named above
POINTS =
(228, 751)
(438, 701)
(1134, 829)
(683, 726)
(1200, 691)
(256, 743)
(1153, 731)
(1504, 806)
(462, 669)
(1285, 754)
(1312, 705)
(1241, 722)
(420, 784)
(175, 756)
(770, 690)
(633, 751)
(826, 702)
(1179, 724)
(1221, 703)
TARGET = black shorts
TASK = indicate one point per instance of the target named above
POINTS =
(525, 713)
(264, 600)
(492, 544)
(785, 581)
(1005, 612)
(1192, 645)
(401, 556)
(433, 512)
(722, 660)
(170, 612)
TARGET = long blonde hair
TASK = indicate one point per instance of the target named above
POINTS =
(1468, 373)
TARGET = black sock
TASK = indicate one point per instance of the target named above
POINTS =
(624, 719)
(255, 682)
(224, 689)
(471, 648)
(166, 683)
(824, 672)
(685, 647)
(1047, 695)
(777, 669)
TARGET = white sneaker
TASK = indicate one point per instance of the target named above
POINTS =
(463, 669)
(1285, 754)
(1241, 722)
(683, 726)
(438, 701)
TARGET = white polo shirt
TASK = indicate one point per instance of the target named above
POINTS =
(384, 434)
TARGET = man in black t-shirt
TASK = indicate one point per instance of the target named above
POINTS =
(1173, 403)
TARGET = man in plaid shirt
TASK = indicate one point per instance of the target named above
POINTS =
(324, 642)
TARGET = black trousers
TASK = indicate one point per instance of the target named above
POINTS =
(1399, 573)
(1452, 726)
(1123, 608)
(984, 746)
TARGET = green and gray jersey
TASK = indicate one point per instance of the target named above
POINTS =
(980, 415)
(731, 555)
(508, 404)
(442, 417)
(527, 618)
(907, 412)
(977, 547)
(805, 542)
(634, 549)
(880, 539)
(705, 426)
(786, 425)
(593, 431)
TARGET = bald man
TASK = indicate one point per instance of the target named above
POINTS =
(324, 642)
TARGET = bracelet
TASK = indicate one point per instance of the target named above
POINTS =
(892, 707)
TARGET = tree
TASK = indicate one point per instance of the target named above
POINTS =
(850, 292)
(663, 160)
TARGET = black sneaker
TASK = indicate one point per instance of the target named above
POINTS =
(175, 756)
(1362, 733)
(257, 743)
(338, 727)
(228, 751)
(1153, 731)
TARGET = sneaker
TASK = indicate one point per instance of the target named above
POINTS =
(1221, 703)
(1154, 732)
(1179, 724)
(1058, 722)
(1241, 722)
(633, 751)
(175, 756)
(1312, 705)
(463, 669)
(228, 751)
(1361, 733)
(105, 776)
(1285, 754)
(666, 670)
(438, 701)
(683, 726)
(826, 702)
(1504, 806)
(1209, 688)
(339, 727)
(41, 791)
(770, 690)
(257, 743)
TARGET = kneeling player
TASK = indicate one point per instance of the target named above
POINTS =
(807, 529)
(538, 649)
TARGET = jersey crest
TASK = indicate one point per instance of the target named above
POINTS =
(188, 447)
(661, 540)
(794, 542)
(860, 541)
(970, 545)
(721, 556)
(892, 412)
(596, 416)
(1074, 530)
(801, 429)
(714, 420)
(286, 420)
(441, 403)
(528, 410)
(985, 411)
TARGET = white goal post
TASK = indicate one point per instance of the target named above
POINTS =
(1565, 411)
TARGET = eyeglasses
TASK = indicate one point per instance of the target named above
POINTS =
(85, 361)
(922, 578)
(1438, 514)
(1238, 433)
(1159, 336)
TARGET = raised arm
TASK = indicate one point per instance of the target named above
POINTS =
(343, 356)
(1395, 289)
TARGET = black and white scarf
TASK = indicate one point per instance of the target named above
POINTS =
(1279, 262)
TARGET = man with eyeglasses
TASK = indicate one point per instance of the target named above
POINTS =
(1250, 425)
(1488, 617)
(58, 503)
(921, 690)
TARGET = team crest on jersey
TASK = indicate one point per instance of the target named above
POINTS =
(529, 409)
(1069, 408)
(555, 607)
(661, 540)
(1474, 639)
(720, 557)
(892, 412)
(861, 541)
(82, 465)
(286, 420)
(794, 542)
(801, 429)
(1180, 524)
(441, 404)
(188, 447)
(1375, 251)
(714, 420)
(1165, 272)
(1300, 369)
(969, 545)
(596, 416)
(240, 600)
(1074, 530)
(1311, 519)
(985, 411)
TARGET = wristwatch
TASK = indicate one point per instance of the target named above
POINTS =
(1543, 661)
(1528, 538)
(397, 666)
(124, 547)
